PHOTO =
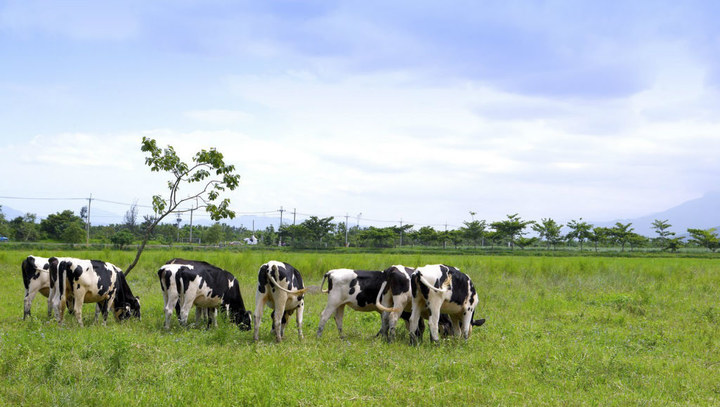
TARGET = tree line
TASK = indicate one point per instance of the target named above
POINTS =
(316, 232)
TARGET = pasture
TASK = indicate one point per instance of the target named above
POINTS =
(559, 331)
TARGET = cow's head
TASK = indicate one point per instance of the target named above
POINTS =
(241, 318)
(127, 309)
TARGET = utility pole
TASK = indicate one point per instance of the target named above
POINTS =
(191, 216)
(294, 212)
(346, 229)
(279, 236)
(87, 223)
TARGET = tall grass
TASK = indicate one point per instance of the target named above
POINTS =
(560, 331)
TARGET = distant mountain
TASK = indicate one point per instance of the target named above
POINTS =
(11, 213)
(700, 213)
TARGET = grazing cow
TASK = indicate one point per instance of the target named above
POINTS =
(36, 279)
(280, 286)
(91, 281)
(189, 282)
(440, 289)
(359, 289)
(394, 298)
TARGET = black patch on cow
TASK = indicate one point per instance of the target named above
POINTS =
(398, 280)
(353, 283)
(124, 299)
(28, 270)
(262, 278)
(330, 283)
(460, 284)
(104, 274)
(472, 293)
(445, 271)
(416, 283)
(367, 283)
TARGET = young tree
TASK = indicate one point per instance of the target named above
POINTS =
(207, 173)
(511, 228)
(621, 233)
(130, 220)
(318, 228)
(377, 237)
(474, 230)
(661, 228)
(121, 239)
(599, 235)
(213, 234)
(579, 230)
(705, 238)
(549, 230)
(427, 235)
(455, 236)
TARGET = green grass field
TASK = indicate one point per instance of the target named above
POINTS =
(559, 331)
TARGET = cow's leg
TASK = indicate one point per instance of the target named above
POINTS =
(199, 315)
(299, 318)
(79, 295)
(171, 302)
(280, 299)
(417, 307)
(467, 323)
(456, 322)
(260, 300)
(59, 306)
(325, 315)
(392, 323)
(283, 323)
(51, 294)
(339, 312)
(186, 303)
(434, 304)
(103, 307)
(29, 296)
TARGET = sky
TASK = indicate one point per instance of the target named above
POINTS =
(380, 110)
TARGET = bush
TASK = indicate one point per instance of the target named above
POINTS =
(121, 239)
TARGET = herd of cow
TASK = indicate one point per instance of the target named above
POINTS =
(438, 293)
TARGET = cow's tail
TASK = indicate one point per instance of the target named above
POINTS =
(379, 305)
(430, 286)
(325, 276)
(275, 283)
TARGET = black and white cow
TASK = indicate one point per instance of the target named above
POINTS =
(443, 289)
(368, 291)
(395, 298)
(280, 286)
(358, 289)
(190, 282)
(79, 281)
(36, 279)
